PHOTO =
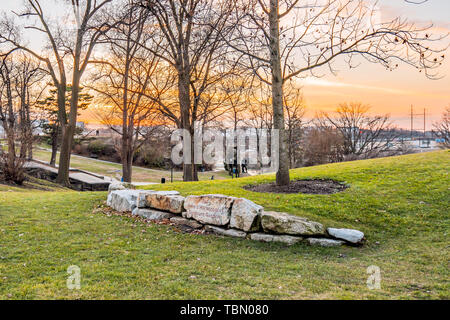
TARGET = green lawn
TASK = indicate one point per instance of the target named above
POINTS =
(400, 203)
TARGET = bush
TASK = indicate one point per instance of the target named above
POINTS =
(149, 157)
(100, 148)
(12, 170)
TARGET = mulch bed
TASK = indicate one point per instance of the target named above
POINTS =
(316, 186)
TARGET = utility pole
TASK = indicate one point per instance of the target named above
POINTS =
(424, 125)
(413, 115)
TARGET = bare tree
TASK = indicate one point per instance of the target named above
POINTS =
(442, 128)
(287, 39)
(322, 145)
(29, 86)
(235, 92)
(125, 80)
(66, 46)
(294, 108)
(17, 75)
(191, 43)
(363, 135)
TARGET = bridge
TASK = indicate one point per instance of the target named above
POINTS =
(79, 179)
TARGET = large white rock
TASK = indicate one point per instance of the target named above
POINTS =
(283, 223)
(264, 237)
(209, 209)
(150, 214)
(246, 215)
(226, 232)
(116, 185)
(142, 201)
(350, 235)
(122, 200)
(324, 242)
(165, 202)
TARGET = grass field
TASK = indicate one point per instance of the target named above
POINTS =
(114, 169)
(400, 203)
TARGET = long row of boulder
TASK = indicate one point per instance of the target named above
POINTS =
(228, 216)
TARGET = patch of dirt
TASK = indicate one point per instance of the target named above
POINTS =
(315, 186)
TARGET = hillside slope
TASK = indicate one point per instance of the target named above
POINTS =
(400, 203)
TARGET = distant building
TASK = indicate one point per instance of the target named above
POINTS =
(81, 125)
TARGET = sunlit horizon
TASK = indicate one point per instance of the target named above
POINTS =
(391, 92)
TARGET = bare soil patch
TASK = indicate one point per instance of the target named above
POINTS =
(314, 186)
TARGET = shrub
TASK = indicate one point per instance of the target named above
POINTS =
(12, 169)
(149, 157)
(100, 148)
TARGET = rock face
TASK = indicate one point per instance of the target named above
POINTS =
(209, 209)
(142, 200)
(116, 186)
(350, 235)
(227, 216)
(119, 186)
(186, 222)
(264, 237)
(123, 200)
(164, 202)
(246, 215)
(324, 242)
(283, 223)
(226, 232)
(152, 214)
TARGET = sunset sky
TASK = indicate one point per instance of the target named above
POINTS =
(387, 92)
(390, 92)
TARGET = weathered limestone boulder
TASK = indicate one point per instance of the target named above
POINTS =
(122, 200)
(324, 242)
(226, 232)
(246, 215)
(209, 209)
(119, 186)
(165, 202)
(150, 214)
(186, 222)
(264, 237)
(142, 199)
(350, 235)
(283, 223)
(140, 202)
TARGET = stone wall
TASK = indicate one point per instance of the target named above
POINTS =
(227, 216)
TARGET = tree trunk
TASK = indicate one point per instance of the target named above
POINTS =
(127, 169)
(69, 131)
(11, 153)
(54, 137)
(127, 157)
(194, 166)
(185, 104)
(62, 177)
(64, 155)
(277, 94)
(29, 132)
(30, 149)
